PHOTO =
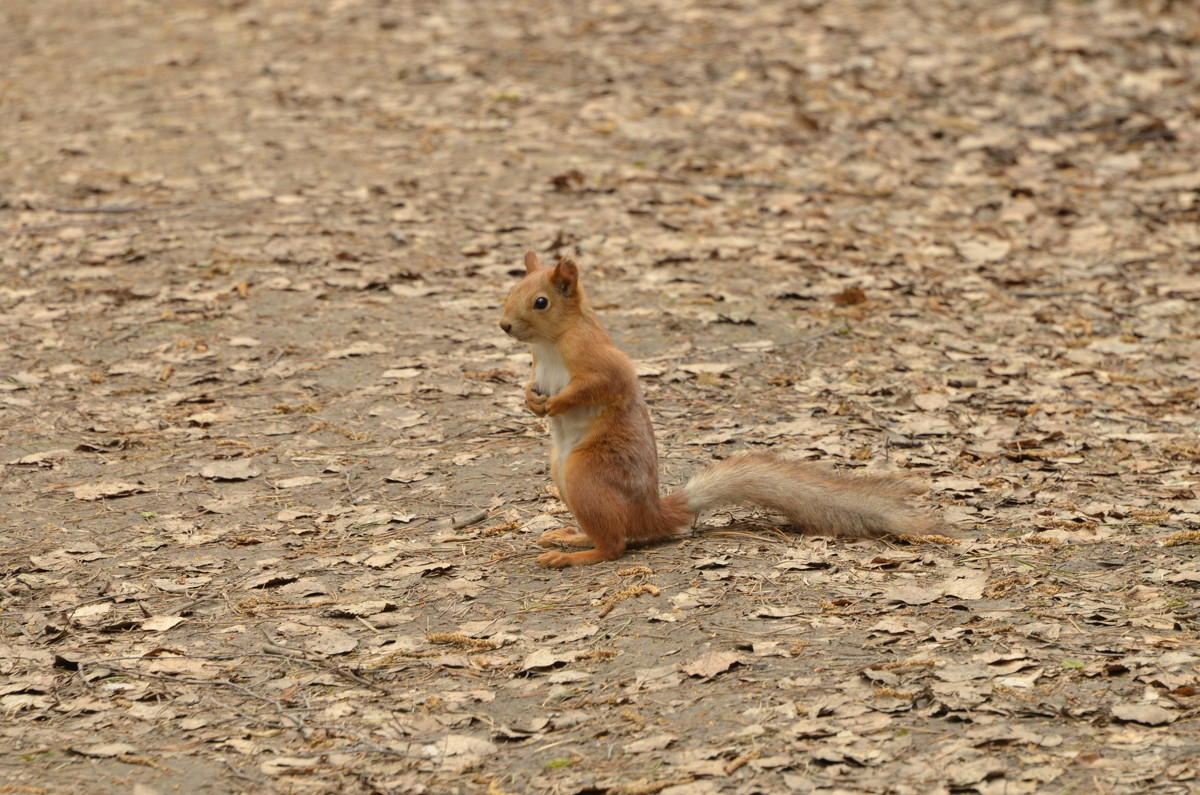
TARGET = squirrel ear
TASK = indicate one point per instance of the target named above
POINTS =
(565, 276)
(531, 261)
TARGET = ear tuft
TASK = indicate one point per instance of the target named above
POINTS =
(565, 276)
(531, 261)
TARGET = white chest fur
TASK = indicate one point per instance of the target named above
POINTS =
(550, 374)
(567, 430)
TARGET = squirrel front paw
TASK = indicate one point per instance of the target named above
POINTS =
(535, 400)
(537, 404)
(555, 406)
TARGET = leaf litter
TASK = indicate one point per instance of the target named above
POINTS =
(270, 488)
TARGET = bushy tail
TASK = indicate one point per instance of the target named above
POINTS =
(813, 498)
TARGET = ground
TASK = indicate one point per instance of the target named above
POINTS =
(269, 490)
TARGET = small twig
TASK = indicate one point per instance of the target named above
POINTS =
(271, 647)
(376, 747)
(466, 521)
(295, 722)
(104, 208)
(76, 606)
(133, 759)
(304, 730)
(733, 766)
(279, 650)
(274, 361)
(245, 777)
(186, 607)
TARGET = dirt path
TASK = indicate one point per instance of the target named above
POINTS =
(268, 488)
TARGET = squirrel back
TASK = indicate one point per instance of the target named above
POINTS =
(604, 459)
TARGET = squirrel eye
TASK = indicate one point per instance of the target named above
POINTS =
(541, 302)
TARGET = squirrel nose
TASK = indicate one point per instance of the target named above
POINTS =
(504, 324)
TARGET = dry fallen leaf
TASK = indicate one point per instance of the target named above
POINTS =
(407, 474)
(546, 659)
(161, 623)
(44, 458)
(236, 469)
(297, 482)
(711, 664)
(965, 584)
(106, 489)
(104, 750)
(288, 765)
(358, 349)
(707, 368)
(330, 641)
(1147, 714)
(658, 742)
(912, 595)
(465, 745)
(849, 296)
(367, 607)
(980, 250)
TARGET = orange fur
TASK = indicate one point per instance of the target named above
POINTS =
(604, 460)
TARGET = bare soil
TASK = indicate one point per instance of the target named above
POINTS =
(268, 489)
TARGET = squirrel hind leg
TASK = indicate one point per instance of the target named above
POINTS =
(602, 514)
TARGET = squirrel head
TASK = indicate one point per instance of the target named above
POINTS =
(544, 304)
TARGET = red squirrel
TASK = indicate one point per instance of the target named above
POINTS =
(605, 462)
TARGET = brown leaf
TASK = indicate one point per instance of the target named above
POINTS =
(236, 469)
(656, 743)
(161, 623)
(297, 482)
(965, 584)
(330, 641)
(106, 489)
(546, 659)
(977, 251)
(912, 595)
(358, 349)
(711, 664)
(408, 474)
(286, 765)
(465, 745)
(104, 750)
(1147, 714)
(849, 297)
(269, 579)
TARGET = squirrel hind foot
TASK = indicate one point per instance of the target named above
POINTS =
(565, 536)
(562, 560)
